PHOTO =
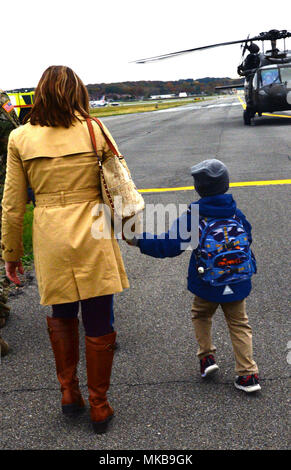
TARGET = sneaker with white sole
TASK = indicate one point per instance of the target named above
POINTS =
(247, 383)
(208, 365)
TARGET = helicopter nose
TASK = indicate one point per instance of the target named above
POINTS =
(277, 91)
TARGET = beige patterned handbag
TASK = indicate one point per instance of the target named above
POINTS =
(118, 189)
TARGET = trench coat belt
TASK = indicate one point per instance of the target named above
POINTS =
(63, 198)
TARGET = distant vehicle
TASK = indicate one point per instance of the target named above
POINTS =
(161, 97)
(98, 103)
(114, 104)
(267, 86)
(22, 102)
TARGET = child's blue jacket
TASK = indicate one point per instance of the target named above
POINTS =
(222, 205)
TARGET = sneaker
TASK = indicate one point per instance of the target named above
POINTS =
(247, 383)
(208, 365)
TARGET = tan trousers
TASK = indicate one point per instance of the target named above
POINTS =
(239, 329)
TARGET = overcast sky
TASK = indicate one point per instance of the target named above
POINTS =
(98, 38)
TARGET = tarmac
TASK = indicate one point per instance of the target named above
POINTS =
(160, 400)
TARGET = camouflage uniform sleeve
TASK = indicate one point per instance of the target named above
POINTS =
(8, 110)
(13, 205)
(6, 127)
(8, 121)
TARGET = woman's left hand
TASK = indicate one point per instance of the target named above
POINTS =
(11, 268)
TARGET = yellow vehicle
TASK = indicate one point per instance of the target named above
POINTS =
(22, 102)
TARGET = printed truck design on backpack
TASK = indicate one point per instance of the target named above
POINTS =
(224, 255)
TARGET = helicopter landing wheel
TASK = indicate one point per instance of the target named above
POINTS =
(247, 117)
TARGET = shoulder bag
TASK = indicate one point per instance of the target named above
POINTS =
(118, 189)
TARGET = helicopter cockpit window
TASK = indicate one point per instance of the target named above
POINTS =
(270, 76)
(285, 74)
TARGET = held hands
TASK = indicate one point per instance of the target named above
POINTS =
(129, 229)
(11, 268)
(132, 242)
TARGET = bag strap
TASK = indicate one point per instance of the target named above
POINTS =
(93, 140)
(108, 140)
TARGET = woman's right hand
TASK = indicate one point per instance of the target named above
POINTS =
(11, 268)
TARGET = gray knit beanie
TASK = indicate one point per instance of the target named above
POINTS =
(211, 177)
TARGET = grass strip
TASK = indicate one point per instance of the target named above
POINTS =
(138, 107)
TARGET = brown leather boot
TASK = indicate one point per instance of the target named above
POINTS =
(99, 357)
(64, 336)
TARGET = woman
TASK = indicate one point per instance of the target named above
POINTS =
(52, 153)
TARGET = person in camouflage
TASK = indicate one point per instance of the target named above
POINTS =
(8, 122)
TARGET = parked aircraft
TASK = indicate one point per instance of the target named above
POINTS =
(98, 103)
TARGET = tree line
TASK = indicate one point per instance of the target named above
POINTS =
(145, 89)
(127, 91)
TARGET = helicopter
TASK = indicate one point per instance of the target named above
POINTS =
(267, 84)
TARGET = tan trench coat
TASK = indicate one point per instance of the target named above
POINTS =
(61, 168)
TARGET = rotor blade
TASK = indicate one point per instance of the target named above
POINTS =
(173, 54)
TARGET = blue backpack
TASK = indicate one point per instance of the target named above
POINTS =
(224, 255)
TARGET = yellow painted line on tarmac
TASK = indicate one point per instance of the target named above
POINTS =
(264, 114)
(232, 185)
(165, 190)
(277, 115)
(242, 102)
(260, 183)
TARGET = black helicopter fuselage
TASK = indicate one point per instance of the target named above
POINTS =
(269, 86)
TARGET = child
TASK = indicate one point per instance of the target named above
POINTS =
(225, 237)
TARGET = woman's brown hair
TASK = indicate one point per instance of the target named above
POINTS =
(58, 95)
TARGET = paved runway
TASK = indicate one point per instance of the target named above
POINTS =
(159, 398)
